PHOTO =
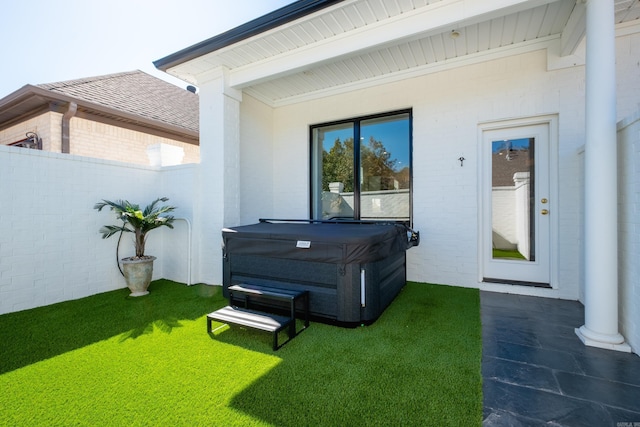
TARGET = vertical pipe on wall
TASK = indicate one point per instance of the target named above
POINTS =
(66, 127)
(188, 248)
(600, 206)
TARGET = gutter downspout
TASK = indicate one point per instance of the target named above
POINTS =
(66, 121)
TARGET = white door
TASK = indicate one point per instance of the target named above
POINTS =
(516, 205)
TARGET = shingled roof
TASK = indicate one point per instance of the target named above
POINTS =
(137, 93)
(505, 164)
(131, 99)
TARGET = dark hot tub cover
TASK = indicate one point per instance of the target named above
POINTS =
(335, 242)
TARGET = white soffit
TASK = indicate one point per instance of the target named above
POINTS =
(358, 43)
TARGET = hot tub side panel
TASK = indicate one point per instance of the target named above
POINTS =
(320, 279)
(384, 279)
(334, 289)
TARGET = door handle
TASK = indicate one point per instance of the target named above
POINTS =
(544, 212)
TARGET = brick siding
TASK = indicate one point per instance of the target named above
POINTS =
(94, 139)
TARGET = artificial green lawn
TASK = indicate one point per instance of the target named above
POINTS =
(504, 253)
(114, 360)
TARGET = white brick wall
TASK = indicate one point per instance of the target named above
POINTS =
(629, 229)
(50, 248)
(218, 201)
(178, 183)
(503, 208)
(628, 74)
(447, 109)
(256, 161)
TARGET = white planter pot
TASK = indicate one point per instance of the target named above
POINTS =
(138, 273)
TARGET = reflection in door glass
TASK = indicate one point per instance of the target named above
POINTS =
(512, 199)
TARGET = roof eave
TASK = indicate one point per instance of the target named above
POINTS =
(48, 97)
(16, 95)
(259, 25)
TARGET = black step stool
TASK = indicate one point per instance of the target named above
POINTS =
(258, 319)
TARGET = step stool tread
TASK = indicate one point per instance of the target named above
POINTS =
(251, 318)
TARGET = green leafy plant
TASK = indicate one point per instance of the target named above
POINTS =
(136, 220)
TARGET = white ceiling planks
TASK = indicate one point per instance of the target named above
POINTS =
(356, 41)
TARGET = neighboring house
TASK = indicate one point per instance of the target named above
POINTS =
(438, 84)
(129, 117)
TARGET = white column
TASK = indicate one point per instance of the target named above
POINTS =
(218, 192)
(601, 203)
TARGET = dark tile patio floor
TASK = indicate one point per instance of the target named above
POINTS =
(537, 372)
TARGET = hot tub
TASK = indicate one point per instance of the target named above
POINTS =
(352, 270)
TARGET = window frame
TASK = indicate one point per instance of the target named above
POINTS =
(356, 123)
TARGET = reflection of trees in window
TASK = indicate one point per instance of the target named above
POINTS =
(337, 165)
(403, 177)
(368, 161)
(378, 168)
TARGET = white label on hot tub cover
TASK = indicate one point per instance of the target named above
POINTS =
(305, 244)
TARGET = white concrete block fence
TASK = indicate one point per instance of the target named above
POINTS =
(50, 248)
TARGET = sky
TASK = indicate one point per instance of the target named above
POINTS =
(46, 41)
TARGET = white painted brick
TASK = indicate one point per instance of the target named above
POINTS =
(51, 213)
(447, 109)
(629, 229)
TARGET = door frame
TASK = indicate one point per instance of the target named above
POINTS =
(551, 120)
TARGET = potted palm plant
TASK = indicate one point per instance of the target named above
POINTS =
(138, 269)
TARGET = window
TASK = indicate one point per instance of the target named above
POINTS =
(361, 168)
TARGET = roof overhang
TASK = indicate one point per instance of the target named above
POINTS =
(336, 46)
(252, 28)
(30, 101)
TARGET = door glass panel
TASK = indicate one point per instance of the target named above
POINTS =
(333, 172)
(384, 159)
(513, 199)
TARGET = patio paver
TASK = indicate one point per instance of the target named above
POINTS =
(537, 372)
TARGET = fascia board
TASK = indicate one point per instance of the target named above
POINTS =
(257, 26)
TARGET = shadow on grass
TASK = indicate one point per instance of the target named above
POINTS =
(33, 335)
(418, 364)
